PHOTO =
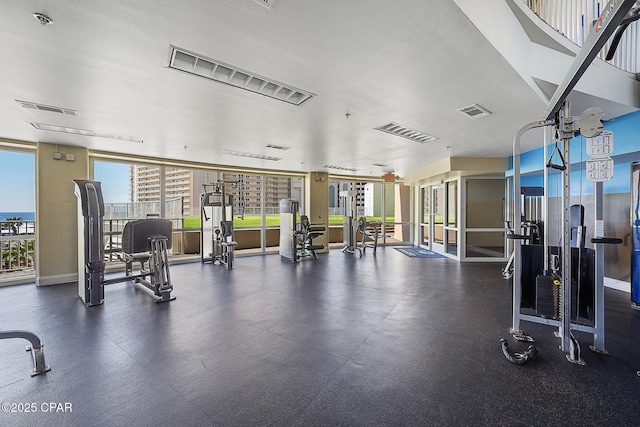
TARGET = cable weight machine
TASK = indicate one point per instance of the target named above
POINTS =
(614, 16)
(216, 225)
(568, 262)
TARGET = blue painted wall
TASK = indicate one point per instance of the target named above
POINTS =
(626, 149)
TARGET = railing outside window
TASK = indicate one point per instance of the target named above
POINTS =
(574, 18)
(17, 243)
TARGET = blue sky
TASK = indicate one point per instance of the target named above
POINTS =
(17, 189)
(115, 181)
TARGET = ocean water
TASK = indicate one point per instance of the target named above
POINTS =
(27, 216)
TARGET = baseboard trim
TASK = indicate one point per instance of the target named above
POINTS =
(617, 284)
(58, 279)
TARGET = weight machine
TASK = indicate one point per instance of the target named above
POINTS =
(143, 241)
(216, 225)
(572, 263)
(296, 238)
(349, 222)
(614, 16)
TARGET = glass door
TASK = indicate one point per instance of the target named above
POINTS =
(425, 218)
(437, 218)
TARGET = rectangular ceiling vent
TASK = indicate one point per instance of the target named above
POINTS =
(407, 133)
(266, 3)
(220, 72)
(277, 147)
(380, 165)
(250, 155)
(340, 168)
(85, 132)
(474, 111)
(49, 108)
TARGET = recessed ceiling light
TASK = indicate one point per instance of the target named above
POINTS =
(407, 133)
(474, 111)
(49, 108)
(220, 72)
(250, 155)
(85, 132)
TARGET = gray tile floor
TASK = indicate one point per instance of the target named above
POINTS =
(381, 340)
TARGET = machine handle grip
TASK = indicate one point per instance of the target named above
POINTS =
(607, 240)
(512, 236)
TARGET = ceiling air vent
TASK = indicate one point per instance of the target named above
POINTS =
(474, 111)
(340, 168)
(266, 3)
(220, 72)
(407, 133)
(277, 147)
(380, 165)
(49, 108)
(250, 155)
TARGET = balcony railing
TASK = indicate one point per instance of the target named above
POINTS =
(17, 242)
(112, 229)
(574, 18)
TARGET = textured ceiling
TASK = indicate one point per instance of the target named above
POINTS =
(413, 62)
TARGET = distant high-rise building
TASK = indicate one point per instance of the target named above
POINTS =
(187, 185)
(179, 183)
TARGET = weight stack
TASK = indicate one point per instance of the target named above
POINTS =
(547, 296)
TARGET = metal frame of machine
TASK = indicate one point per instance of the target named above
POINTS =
(216, 225)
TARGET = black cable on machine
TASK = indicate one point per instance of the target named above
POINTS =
(518, 358)
(552, 165)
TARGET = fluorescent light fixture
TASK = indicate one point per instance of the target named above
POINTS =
(407, 133)
(250, 155)
(474, 111)
(85, 132)
(49, 108)
(341, 168)
(218, 71)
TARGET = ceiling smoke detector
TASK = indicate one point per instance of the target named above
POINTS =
(42, 18)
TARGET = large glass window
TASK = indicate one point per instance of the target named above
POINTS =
(386, 204)
(247, 202)
(17, 214)
(134, 191)
(130, 192)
